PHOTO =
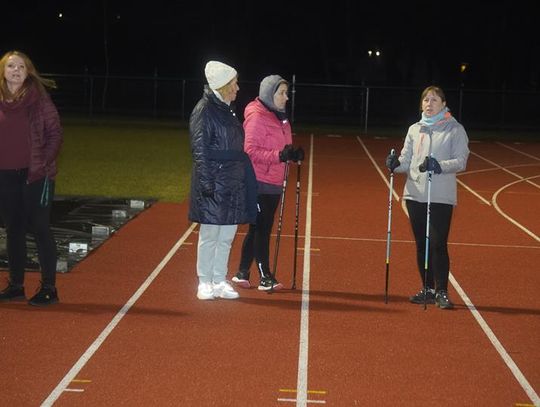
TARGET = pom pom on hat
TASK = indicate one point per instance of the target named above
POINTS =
(218, 74)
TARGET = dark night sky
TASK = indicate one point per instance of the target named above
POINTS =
(420, 42)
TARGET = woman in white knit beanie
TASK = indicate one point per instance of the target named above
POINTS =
(223, 186)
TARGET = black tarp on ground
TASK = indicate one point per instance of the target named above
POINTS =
(79, 225)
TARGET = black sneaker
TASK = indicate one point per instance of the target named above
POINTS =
(46, 295)
(419, 298)
(443, 301)
(241, 279)
(12, 293)
(269, 283)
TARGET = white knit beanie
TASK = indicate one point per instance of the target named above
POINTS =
(218, 74)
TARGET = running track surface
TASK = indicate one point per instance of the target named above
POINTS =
(129, 330)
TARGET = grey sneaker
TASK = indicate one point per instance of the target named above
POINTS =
(442, 300)
(419, 297)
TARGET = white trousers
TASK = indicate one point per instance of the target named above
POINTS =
(213, 251)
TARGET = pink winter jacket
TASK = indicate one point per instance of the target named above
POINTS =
(266, 136)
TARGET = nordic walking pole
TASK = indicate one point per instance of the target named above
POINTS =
(389, 231)
(297, 215)
(426, 258)
(280, 222)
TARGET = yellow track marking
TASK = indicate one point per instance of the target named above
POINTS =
(309, 391)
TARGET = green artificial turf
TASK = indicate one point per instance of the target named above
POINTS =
(114, 158)
(151, 158)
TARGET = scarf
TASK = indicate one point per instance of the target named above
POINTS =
(430, 121)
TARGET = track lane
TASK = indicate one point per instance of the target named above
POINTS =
(480, 366)
(354, 356)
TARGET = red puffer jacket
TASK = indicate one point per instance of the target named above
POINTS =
(45, 133)
(46, 138)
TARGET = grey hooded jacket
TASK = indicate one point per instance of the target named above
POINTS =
(448, 142)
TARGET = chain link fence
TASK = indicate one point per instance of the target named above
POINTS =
(361, 106)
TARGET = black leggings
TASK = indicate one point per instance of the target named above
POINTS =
(257, 241)
(438, 261)
(21, 210)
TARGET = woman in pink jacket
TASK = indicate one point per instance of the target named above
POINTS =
(269, 145)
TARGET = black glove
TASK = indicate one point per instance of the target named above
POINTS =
(287, 154)
(392, 162)
(298, 154)
(430, 164)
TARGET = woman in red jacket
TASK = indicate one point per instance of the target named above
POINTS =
(30, 140)
(268, 144)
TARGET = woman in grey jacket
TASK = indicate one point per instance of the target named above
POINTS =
(437, 144)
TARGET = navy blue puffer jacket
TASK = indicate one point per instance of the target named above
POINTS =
(223, 186)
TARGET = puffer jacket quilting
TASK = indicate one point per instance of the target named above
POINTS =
(214, 129)
(266, 136)
(46, 138)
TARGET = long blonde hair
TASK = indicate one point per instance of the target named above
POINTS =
(33, 78)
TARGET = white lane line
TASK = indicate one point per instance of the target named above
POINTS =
(396, 195)
(517, 151)
(370, 239)
(303, 346)
(504, 169)
(497, 169)
(520, 377)
(484, 200)
(489, 333)
(374, 239)
(77, 367)
(512, 220)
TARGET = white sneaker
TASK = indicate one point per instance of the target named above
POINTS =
(205, 291)
(225, 290)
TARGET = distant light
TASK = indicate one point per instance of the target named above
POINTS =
(378, 53)
(118, 16)
(463, 67)
(370, 52)
(60, 15)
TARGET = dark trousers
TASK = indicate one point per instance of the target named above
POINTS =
(439, 228)
(22, 210)
(257, 241)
